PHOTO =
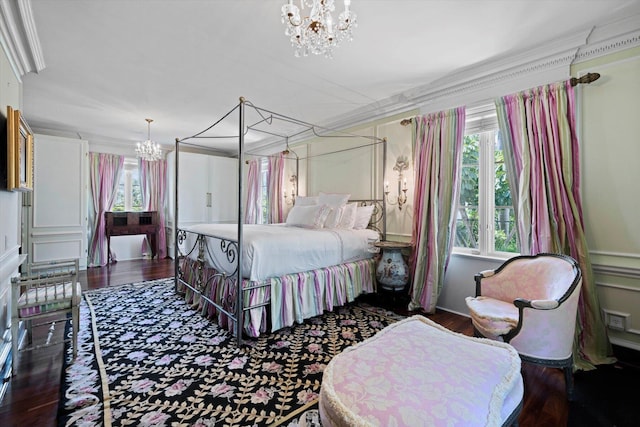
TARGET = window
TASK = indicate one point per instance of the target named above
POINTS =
(129, 195)
(485, 222)
(263, 218)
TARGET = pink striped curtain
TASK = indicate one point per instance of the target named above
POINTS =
(276, 176)
(437, 159)
(252, 210)
(153, 183)
(104, 176)
(542, 156)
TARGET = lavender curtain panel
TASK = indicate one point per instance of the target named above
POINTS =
(252, 211)
(153, 185)
(437, 146)
(542, 155)
(104, 176)
(276, 176)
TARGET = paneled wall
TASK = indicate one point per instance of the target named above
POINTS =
(10, 212)
(610, 126)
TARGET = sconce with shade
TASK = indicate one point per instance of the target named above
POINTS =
(402, 164)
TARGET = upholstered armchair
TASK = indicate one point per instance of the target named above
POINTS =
(531, 302)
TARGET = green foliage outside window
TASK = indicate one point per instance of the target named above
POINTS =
(135, 190)
(468, 220)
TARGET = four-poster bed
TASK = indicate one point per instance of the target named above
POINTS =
(287, 272)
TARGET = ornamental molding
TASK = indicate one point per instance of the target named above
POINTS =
(619, 35)
(512, 72)
(19, 37)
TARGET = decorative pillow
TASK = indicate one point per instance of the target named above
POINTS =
(335, 201)
(348, 218)
(306, 200)
(363, 216)
(333, 219)
(312, 216)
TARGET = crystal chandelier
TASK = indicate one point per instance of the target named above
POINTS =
(148, 150)
(316, 32)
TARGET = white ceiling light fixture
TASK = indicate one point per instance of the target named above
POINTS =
(148, 150)
(317, 32)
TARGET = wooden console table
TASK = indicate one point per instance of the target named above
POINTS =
(131, 223)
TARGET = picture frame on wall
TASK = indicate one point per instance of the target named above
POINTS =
(19, 152)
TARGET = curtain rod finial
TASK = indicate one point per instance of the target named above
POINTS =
(405, 122)
(586, 79)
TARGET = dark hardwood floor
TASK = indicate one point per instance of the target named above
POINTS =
(602, 397)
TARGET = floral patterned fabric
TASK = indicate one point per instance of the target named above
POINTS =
(417, 373)
(146, 358)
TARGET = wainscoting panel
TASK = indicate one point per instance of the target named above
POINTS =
(50, 250)
(617, 278)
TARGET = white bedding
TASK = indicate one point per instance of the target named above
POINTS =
(275, 249)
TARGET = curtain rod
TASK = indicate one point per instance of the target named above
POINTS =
(573, 81)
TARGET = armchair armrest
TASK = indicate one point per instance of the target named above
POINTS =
(540, 304)
(487, 273)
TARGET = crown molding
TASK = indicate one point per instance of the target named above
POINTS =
(613, 37)
(511, 72)
(19, 37)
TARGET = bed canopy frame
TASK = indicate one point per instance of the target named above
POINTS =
(278, 127)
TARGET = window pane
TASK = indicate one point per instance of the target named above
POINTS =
(504, 225)
(136, 191)
(467, 227)
(118, 204)
(467, 215)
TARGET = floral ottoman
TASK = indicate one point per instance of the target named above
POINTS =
(418, 373)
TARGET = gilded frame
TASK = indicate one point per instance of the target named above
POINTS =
(19, 152)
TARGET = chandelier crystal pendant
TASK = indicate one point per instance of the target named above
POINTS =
(148, 150)
(315, 31)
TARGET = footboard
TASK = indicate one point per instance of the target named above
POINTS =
(214, 291)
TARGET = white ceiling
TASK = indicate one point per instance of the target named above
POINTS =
(112, 63)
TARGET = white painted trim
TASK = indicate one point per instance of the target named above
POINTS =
(613, 37)
(613, 270)
(448, 310)
(616, 286)
(20, 38)
(615, 254)
(58, 233)
(625, 343)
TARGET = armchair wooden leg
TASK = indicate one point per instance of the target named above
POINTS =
(568, 379)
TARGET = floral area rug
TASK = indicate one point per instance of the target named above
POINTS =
(146, 358)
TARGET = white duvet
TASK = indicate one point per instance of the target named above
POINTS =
(275, 249)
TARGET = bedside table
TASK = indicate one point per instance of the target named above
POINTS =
(392, 272)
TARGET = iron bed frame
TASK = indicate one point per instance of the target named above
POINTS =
(232, 249)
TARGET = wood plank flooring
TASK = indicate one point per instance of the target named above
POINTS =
(32, 396)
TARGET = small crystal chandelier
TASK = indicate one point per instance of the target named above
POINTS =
(148, 150)
(317, 33)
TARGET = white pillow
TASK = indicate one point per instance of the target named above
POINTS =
(333, 219)
(335, 201)
(312, 216)
(306, 200)
(348, 218)
(363, 216)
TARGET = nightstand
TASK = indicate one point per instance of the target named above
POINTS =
(392, 272)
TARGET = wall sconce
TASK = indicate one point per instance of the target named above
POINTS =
(402, 164)
(294, 191)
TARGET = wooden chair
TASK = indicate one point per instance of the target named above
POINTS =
(531, 302)
(47, 293)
